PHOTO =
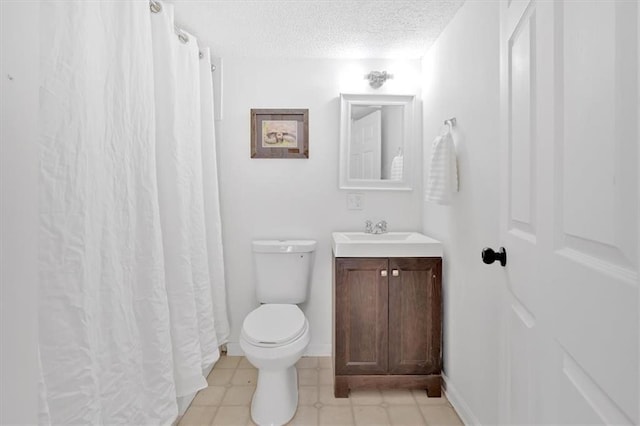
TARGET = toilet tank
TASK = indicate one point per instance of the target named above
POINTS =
(282, 270)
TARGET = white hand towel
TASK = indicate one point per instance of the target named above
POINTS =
(396, 167)
(443, 175)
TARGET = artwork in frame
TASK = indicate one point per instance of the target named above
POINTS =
(279, 133)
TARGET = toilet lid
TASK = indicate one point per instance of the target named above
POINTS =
(274, 324)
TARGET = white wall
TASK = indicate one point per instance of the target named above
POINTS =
(297, 198)
(18, 224)
(461, 79)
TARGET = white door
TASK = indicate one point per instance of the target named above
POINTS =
(569, 211)
(366, 147)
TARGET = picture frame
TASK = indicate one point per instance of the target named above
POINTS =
(279, 133)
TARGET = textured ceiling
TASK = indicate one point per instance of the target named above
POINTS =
(316, 28)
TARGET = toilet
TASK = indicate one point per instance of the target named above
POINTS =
(275, 335)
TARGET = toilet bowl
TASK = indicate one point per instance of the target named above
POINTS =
(273, 338)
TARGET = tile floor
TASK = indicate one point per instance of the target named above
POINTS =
(227, 400)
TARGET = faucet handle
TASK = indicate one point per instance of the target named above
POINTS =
(368, 227)
(383, 225)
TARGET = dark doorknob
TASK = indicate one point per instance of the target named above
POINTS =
(489, 256)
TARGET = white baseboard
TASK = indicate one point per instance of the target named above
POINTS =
(461, 407)
(234, 349)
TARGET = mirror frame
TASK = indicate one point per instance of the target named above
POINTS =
(408, 144)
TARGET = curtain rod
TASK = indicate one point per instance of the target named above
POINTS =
(156, 7)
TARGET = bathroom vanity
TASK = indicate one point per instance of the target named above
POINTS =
(387, 312)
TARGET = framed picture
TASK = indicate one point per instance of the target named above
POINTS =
(279, 133)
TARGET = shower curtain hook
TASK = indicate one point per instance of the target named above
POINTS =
(155, 6)
(184, 38)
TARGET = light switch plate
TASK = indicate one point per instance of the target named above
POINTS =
(355, 201)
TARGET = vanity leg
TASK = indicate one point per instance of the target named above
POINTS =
(340, 387)
(434, 388)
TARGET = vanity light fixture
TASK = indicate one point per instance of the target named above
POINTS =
(377, 78)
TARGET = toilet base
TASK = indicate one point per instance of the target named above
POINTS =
(276, 397)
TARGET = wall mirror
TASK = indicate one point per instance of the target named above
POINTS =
(377, 140)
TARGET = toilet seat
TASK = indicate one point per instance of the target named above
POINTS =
(273, 325)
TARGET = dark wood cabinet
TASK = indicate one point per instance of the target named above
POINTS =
(361, 316)
(387, 324)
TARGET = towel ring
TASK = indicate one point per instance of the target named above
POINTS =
(451, 122)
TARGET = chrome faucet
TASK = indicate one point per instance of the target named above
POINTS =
(378, 228)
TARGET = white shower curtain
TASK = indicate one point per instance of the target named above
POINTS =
(212, 200)
(126, 299)
(179, 154)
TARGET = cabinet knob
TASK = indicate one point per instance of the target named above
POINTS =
(383, 273)
(395, 272)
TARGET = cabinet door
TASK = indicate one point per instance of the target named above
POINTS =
(361, 314)
(415, 325)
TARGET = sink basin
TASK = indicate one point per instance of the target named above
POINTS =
(388, 236)
(389, 244)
